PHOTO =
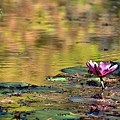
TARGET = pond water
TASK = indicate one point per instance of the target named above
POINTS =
(38, 38)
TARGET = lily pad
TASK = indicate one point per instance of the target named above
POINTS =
(80, 99)
(13, 84)
(97, 79)
(113, 88)
(92, 81)
(53, 114)
(71, 85)
(44, 114)
(6, 115)
(91, 100)
(18, 88)
(74, 70)
(57, 79)
(45, 89)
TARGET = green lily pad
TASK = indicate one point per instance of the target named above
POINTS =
(57, 79)
(45, 89)
(53, 114)
(74, 70)
(18, 88)
(113, 88)
(91, 100)
(13, 84)
(97, 79)
(92, 81)
(43, 114)
(71, 85)
(6, 115)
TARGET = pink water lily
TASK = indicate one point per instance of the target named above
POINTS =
(101, 69)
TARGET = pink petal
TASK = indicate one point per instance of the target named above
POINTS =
(109, 70)
(101, 69)
(113, 68)
(105, 65)
(91, 66)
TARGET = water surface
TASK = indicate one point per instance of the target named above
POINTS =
(38, 38)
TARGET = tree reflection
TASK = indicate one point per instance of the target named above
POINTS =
(67, 32)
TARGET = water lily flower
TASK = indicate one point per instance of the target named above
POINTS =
(101, 69)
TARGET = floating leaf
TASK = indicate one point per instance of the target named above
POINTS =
(97, 79)
(54, 114)
(6, 115)
(13, 84)
(45, 89)
(91, 100)
(113, 88)
(18, 88)
(74, 70)
(93, 81)
(57, 78)
(71, 85)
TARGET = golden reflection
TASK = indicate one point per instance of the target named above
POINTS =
(38, 38)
